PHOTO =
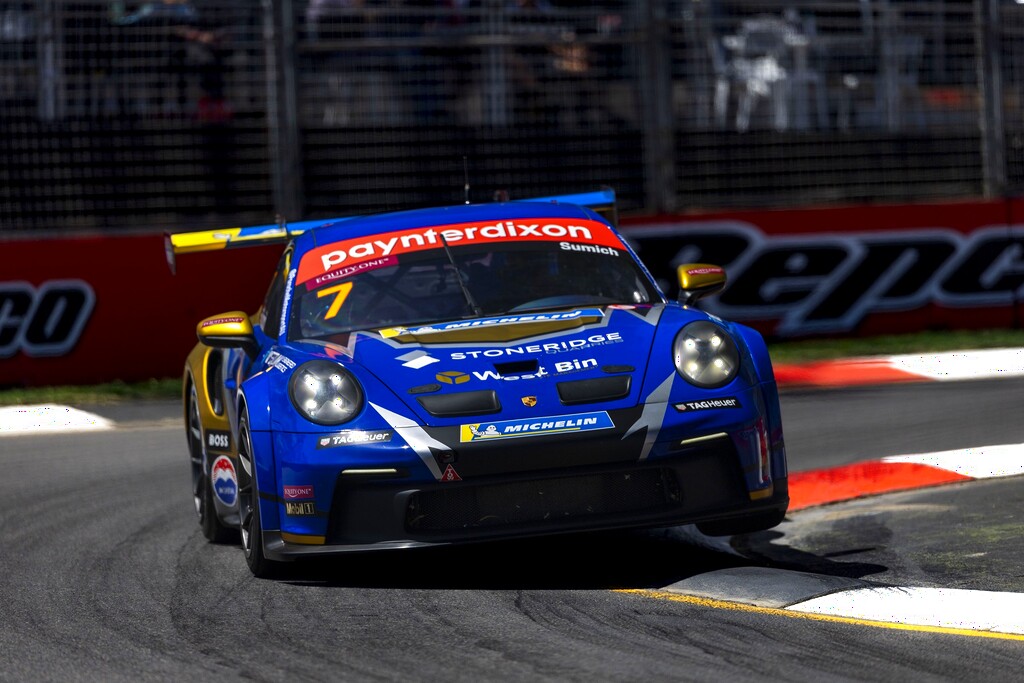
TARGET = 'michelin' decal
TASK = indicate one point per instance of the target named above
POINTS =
(511, 429)
(487, 322)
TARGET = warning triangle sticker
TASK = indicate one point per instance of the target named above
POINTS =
(450, 474)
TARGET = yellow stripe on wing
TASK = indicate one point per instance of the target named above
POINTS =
(226, 238)
(204, 240)
(223, 238)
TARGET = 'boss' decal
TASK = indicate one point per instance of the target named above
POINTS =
(218, 440)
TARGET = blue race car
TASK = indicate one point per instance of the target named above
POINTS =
(469, 373)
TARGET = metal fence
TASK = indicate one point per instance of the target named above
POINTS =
(177, 114)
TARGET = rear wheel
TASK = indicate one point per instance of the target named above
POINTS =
(202, 493)
(249, 508)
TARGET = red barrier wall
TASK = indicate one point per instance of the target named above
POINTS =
(863, 270)
(143, 318)
(84, 310)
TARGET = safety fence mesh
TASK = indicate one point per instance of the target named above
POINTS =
(174, 115)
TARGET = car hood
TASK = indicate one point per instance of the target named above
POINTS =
(519, 365)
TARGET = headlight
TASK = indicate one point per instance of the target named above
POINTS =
(706, 355)
(325, 393)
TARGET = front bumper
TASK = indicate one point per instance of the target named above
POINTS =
(700, 482)
(399, 485)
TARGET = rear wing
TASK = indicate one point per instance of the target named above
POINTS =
(601, 201)
(231, 238)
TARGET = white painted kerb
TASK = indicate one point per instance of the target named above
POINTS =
(945, 607)
(20, 420)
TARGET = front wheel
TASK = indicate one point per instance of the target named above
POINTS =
(249, 508)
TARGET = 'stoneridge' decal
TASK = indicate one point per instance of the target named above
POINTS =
(559, 424)
(347, 253)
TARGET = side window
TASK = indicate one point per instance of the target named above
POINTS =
(270, 315)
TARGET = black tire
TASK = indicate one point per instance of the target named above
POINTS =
(249, 508)
(742, 525)
(214, 530)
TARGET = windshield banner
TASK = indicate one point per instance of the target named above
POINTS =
(352, 252)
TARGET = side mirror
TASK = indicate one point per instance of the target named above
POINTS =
(698, 280)
(232, 330)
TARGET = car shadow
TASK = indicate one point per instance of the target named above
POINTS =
(608, 560)
(765, 549)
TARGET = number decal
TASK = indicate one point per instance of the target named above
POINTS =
(342, 291)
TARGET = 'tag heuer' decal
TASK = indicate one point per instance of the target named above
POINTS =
(354, 437)
(347, 253)
(708, 404)
(510, 429)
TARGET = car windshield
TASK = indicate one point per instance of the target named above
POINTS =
(424, 287)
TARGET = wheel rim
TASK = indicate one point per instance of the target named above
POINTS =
(246, 490)
(195, 446)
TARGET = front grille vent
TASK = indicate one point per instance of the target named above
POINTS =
(519, 367)
(461, 404)
(594, 390)
(554, 501)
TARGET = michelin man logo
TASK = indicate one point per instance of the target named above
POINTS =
(489, 431)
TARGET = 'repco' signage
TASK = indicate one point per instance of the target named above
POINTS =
(811, 282)
(43, 321)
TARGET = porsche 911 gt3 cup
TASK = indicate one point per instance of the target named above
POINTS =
(469, 373)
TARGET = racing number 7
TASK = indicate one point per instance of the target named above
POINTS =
(341, 291)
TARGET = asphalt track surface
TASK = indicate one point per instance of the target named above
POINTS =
(104, 575)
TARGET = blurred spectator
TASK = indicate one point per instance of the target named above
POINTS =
(176, 11)
(17, 24)
(18, 54)
(323, 15)
(172, 41)
(340, 27)
(549, 66)
(208, 53)
(193, 53)
(445, 65)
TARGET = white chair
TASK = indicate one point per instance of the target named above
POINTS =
(750, 64)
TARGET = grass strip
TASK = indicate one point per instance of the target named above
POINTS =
(111, 392)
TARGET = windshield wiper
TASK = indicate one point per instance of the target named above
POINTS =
(477, 311)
